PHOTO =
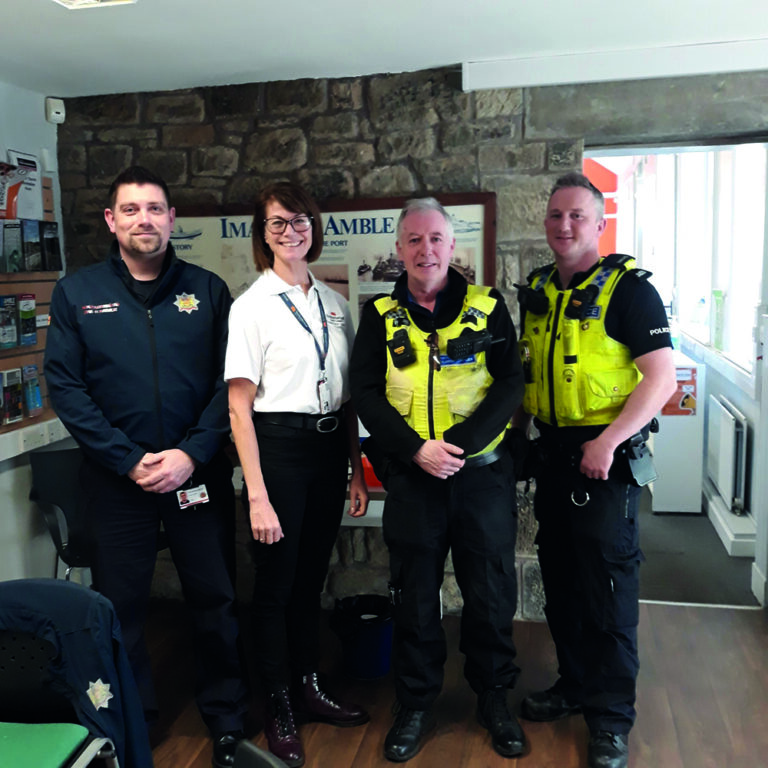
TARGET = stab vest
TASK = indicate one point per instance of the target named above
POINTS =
(575, 374)
(429, 397)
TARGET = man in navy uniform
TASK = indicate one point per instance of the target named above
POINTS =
(134, 364)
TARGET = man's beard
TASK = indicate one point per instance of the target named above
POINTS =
(146, 244)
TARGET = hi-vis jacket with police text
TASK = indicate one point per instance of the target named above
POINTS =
(576, 375)
(127, 378)
(483, 418)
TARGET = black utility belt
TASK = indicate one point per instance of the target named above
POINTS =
(321, 422)
(483, 459)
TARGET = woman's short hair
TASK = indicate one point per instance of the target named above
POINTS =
(293, 198)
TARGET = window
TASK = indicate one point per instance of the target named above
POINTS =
(695, 217)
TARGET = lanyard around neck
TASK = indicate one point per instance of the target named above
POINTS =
(321, 353)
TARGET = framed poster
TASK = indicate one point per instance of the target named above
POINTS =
(359, 258)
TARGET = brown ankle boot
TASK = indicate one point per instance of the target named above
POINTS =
(280, 729)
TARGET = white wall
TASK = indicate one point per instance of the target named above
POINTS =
(23, 127)
(26, 550)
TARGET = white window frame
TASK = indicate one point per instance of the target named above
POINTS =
(744, 379)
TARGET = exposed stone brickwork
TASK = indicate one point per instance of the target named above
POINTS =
(375, 136)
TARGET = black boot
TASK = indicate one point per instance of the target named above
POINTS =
(493, 714)
(406, 736)
(549, 705)
(608, 750)
(224, 747)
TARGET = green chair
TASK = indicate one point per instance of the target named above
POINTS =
(50, 745)
(35, 738)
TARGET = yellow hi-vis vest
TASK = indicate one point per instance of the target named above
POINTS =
(576, 375)
(432, 400)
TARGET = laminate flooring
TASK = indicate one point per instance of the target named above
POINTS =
(702, 699)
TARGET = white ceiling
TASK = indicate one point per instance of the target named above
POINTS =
(168, 44)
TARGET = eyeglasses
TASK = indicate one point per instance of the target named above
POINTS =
(277, 226)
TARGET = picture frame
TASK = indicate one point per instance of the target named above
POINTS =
(359, 257)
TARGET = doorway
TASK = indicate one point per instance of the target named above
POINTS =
(695, 218)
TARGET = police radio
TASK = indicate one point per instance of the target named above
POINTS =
(531, 300)
(469, 343)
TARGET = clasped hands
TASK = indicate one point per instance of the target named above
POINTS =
(439, 459)
(162, 472)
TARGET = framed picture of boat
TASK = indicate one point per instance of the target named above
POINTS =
(359, 257)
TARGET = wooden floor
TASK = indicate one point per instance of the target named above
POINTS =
(702, 700)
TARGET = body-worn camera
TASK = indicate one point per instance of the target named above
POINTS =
(400, 349)
(582, 301)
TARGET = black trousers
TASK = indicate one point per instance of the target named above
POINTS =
(305, 473)
(126, 522)
(474, 515)
(589, 552)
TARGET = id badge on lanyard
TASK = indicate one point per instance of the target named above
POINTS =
(323, 391)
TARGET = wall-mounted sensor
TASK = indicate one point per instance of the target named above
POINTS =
(54, 110)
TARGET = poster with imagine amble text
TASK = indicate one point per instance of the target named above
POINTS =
(359, 257)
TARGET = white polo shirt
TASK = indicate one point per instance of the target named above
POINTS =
(269, 346)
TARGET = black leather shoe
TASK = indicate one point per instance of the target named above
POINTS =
(608, 750)
(545, 706)
(312, 703)
(280, 730)
(493, 714)
(406, 736)
(224, 747)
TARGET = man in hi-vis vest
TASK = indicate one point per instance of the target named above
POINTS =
(596, 352)
(436, 378)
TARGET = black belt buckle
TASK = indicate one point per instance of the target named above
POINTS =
(326, 424)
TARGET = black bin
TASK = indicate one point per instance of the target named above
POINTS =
(364, 626)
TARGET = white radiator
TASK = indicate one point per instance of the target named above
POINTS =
(726, 452)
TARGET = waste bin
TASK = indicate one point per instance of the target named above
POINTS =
(364, 626)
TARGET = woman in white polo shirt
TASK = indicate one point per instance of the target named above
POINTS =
(290, 337)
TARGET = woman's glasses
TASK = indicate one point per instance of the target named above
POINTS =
(277, 226)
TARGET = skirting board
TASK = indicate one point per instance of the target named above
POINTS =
(759, 585)
(735, 531)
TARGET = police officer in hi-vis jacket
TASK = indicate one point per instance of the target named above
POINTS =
(436, 378)
(597, 357)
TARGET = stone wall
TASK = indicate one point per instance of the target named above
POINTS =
(385, 135)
